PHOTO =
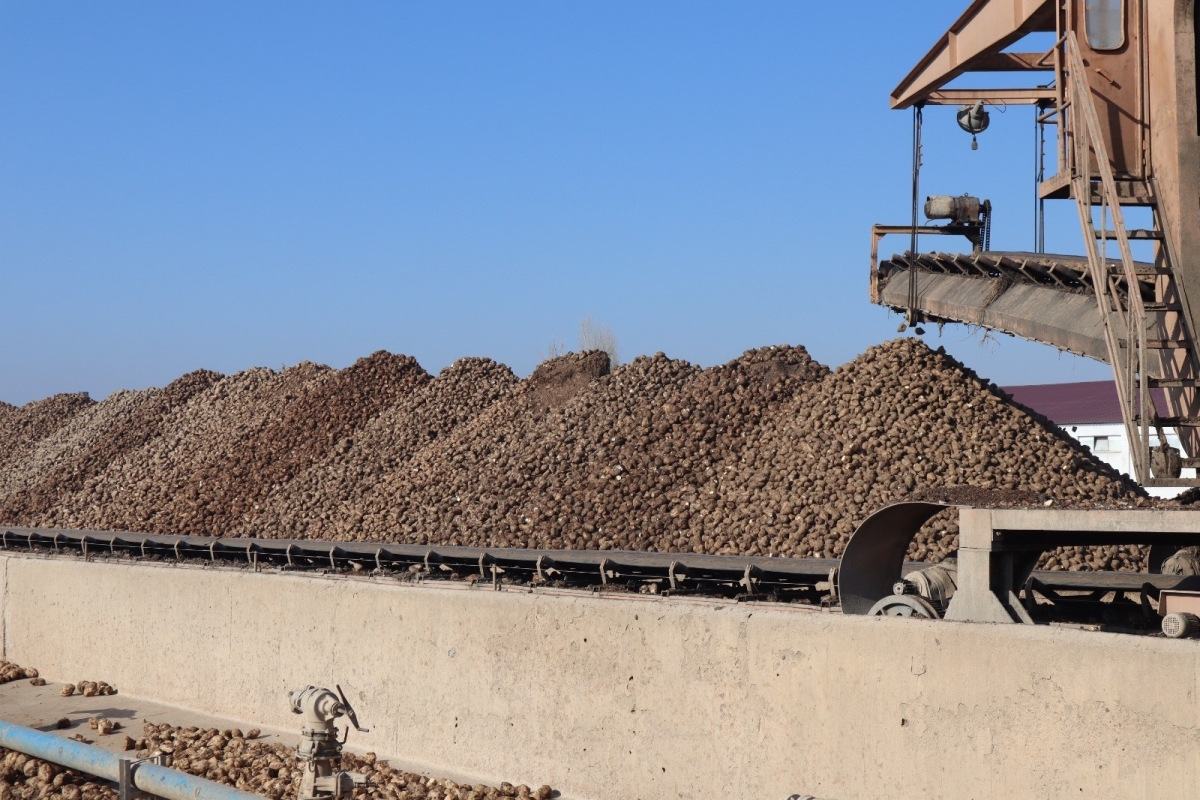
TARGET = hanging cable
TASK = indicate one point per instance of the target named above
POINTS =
(912, 317)
(1039, 175)
(1042, 200)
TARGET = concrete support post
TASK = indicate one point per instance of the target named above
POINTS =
(984, 582)
(974, 600)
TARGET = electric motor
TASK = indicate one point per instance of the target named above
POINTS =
(963, 210)
(1180, 625)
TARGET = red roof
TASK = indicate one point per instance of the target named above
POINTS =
(1082, 403)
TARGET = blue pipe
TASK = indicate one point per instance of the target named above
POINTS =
(175, 785)
(151, 778)
(57, 750)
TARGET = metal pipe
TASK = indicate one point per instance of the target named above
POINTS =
(64, 752)
(175, 785)
(151, 778)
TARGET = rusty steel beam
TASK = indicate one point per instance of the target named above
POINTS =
(984, 29)
(1012, 62)
(1011, 97)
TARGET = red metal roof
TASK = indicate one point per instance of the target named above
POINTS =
(1082, 403)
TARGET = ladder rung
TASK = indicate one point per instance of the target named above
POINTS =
(1189, 462)
(1140, 270)
(1178, 482)
(1133, 234)
(1161, 344)
(1172, 383)
(1150, 307)
(1173, 422)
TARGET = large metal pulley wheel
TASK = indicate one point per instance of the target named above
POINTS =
(904, 605)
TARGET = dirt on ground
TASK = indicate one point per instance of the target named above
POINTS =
(227, 756)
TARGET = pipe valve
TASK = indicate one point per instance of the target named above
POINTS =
(319, 750)
(321, 706)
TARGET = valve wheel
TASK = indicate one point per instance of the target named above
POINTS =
(904, 605)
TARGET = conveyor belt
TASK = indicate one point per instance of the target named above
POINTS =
(679, 572)
(1063, 272)
(665, 572)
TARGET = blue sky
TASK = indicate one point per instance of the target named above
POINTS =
(225, 185)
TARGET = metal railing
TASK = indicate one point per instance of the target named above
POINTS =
(1123, 313)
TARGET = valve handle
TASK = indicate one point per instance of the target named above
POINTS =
(350, 711)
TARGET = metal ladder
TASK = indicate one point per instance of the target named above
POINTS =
(1148, 342)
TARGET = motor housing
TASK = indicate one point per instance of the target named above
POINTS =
(935, 585)
(1180, 625)
(1166, 462)
(962, 210)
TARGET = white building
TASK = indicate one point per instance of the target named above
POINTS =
(1091, 413)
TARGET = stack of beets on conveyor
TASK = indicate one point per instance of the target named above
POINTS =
(771, 453)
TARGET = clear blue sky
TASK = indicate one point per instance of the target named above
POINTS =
(225, 185)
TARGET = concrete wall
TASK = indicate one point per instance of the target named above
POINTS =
(635, 697)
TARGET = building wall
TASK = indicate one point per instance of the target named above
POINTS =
(1117, 452)
(633, 696)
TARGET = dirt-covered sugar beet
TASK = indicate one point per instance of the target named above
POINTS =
(770, 454)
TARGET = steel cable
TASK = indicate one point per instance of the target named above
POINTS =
(916, 195)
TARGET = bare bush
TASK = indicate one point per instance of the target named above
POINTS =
(596, 336)
(556, 349)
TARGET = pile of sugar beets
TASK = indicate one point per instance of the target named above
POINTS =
(770, 454)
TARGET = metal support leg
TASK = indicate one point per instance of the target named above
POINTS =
(127, 767)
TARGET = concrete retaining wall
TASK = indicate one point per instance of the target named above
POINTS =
(634, 697)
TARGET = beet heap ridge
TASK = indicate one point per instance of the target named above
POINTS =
(772, 453)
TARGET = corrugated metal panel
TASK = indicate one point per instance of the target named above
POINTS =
(1080, 403)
